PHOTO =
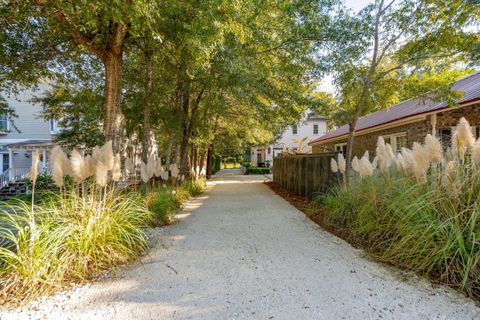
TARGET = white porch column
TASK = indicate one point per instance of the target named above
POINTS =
(10, 165)
(44, 156)
(433, 121)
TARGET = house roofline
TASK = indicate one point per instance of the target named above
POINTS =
(393, 123)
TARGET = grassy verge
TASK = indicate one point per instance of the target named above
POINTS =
(164, 202)
(69, 238)
(415, 226)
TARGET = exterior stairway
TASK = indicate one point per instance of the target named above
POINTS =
(13, 182)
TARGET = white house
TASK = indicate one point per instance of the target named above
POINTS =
(295, 137)
(21, 136)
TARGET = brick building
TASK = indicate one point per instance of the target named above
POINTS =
(407, 122)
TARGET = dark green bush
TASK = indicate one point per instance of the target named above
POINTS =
(258, 170)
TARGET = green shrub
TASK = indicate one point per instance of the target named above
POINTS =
(217, 160)
(195, 187)
(67, 239)
(164, 202)
(258, 170)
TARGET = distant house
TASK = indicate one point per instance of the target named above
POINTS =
(407, 122)
(295, 137)
(22, 135)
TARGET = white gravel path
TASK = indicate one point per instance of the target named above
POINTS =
(242, 252)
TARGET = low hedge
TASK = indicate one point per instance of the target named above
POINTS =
(258, 170)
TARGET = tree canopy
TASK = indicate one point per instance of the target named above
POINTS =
(183, 78)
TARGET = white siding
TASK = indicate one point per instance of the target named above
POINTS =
(31, 126)
(28, 122)
(290, 140)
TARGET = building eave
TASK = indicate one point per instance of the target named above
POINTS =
(394, 123)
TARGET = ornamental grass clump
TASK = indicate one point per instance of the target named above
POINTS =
(86, 227)
(74, 241)
(422, 215)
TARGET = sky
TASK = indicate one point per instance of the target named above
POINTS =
(355, 5)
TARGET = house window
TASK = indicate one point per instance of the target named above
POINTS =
(341, 148)
(53, 126)
(401, 142)
(397, 141)
(315, 129)
(445, 135)
(4, 124)
(5, 159)
(269, 150)
(294, 129)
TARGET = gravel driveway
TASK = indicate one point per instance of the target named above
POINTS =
(242, 252)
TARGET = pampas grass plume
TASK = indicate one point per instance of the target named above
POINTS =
(365, 168)
(174, 170)
(151, 164)
(463, 138)
(375, 163)
(421, 161)
(89, 166)
(78, 166)
(56, 157)
(144, 172)
(107, 155)
(101, 174)
(333, 165)
(434, 149)
(342, 165)
(355, 164)
(34, 168)
(476, 153)
(117, 168)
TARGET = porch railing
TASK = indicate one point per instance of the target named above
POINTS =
(11, 175)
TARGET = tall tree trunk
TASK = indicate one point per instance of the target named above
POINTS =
(186, 131)
(209, 162)
(168, 161)
(201, 164)
(147, 103)
(195, 163)
(113, 78)
(365, 89)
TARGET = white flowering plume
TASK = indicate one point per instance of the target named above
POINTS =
(174, 170)
(355, 164)
(365, 168)
(79, 169)
(384, 154)
(34, 168)
(144, 172)
(434, 149)
(334, 165)
(462, 139)
(117, 168)
(342, 164)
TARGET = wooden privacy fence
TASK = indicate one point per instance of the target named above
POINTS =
(304, 174)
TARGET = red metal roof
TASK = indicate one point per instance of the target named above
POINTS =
(469, 85)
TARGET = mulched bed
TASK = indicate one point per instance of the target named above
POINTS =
(315, 214)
